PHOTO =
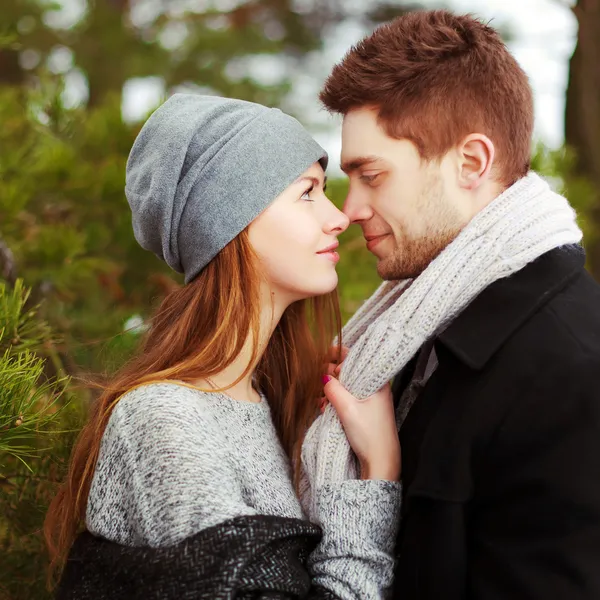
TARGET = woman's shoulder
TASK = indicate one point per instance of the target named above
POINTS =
(161, 400)
(166, 391)
(164, 430)
(165, 469)
(159, 417)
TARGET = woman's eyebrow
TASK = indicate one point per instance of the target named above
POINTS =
(313, 180)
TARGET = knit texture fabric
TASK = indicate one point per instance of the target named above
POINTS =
(521, 224)
(246, 558)
(175, 461)
(203, 168)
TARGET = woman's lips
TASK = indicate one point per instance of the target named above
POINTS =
(330, 252)
(331, 255)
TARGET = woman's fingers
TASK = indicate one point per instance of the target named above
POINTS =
(345, 351)
(341, 399)
(370, 427)
(331, 369)
(334, 367)
(322, 404)
(338, 357)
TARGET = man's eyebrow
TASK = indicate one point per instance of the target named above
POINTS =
(356, 163)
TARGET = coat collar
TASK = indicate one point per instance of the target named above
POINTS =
(476, 334)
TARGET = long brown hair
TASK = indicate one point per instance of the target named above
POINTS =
(198, 331)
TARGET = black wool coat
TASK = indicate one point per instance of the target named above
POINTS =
(247, 558)
(501, 450)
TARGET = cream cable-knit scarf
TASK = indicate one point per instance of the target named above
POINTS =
(521, 224)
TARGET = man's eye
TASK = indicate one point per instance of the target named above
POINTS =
(369, 178)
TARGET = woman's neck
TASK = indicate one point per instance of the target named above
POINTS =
(272, 309)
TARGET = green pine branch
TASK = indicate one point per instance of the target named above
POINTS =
(28, 403)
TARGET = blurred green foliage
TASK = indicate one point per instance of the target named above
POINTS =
(35, 416)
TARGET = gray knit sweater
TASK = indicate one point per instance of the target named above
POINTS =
(175, 460)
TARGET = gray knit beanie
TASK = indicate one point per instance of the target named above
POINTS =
(203, 168)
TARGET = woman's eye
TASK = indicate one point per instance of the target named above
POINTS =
(306, 195)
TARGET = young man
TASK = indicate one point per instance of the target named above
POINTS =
(499, 326)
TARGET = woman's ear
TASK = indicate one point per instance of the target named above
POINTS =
(476, 154)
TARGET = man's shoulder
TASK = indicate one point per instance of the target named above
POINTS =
(555, 350)
(564, 333)
(561, 334)
(544, 381)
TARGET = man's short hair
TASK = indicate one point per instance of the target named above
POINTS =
(435, 77)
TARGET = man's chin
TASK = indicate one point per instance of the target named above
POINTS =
(387, 263)
(390, 269)
(394, 263)
(386, 270)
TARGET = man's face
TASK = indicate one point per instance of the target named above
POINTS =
(409, 209)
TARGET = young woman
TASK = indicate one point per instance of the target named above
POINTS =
(186, 477)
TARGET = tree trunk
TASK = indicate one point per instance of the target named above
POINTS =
(8, 270)
(582, 110)
(10, 69)
(97, 50)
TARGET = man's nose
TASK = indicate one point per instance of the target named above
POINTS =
(356, 208)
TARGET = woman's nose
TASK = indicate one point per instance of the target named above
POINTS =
(339, 222)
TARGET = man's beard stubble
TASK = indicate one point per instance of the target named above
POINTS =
(413, 254)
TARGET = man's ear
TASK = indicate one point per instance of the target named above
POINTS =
(476, 157)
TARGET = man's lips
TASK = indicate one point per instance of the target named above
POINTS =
(373, 240)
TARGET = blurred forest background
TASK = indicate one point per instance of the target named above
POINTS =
(74, 286)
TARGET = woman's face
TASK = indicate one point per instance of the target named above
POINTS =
(296, 236)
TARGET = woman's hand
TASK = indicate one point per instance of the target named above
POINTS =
(370, 426)
(333, 368)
